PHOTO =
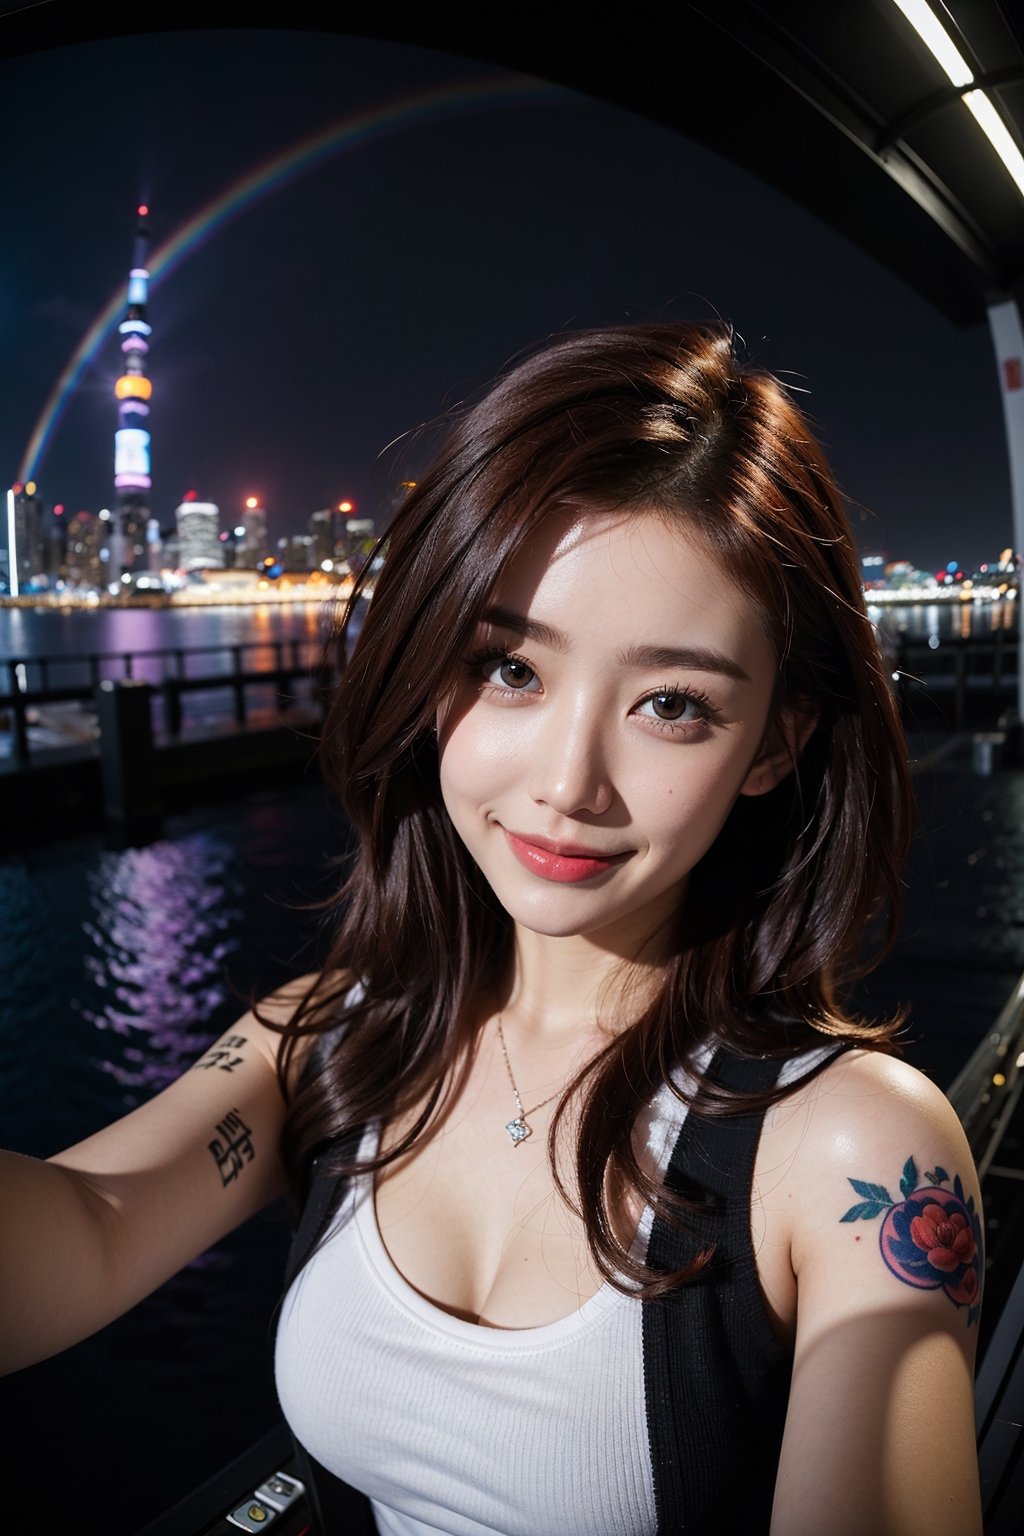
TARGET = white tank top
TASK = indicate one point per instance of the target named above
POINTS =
(454, 1429)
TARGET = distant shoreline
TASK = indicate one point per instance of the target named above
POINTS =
(930, 595)
(324, 592)
(318, 593)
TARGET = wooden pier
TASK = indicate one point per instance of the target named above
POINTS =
(124, 736)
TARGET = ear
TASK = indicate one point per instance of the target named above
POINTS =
(783, 742)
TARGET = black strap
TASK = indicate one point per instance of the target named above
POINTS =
(703, 1446)
(336, 1508)
(326, 1190)
(716, 1376)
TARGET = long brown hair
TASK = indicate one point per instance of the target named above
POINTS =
(781, 914)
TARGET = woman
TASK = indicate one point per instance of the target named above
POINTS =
(615, 1219)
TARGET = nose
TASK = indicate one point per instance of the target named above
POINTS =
(569, 769)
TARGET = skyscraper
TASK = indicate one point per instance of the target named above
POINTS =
(132, 438)
(199, 545)
(25, 537)
(323, 532)
(253, 542)
(87, 536)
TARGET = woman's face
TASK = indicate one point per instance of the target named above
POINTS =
(614, 704)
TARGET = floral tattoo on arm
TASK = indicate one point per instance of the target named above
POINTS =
(931, 1238)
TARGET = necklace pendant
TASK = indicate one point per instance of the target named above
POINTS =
(518, 1130)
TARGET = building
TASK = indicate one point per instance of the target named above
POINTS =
(133, 391)
(253, 542)
(154, 547)
(26, 538)
(297, 554)
(357, 542)
(87, 550)
(199, 545)
(323, 532)
(56, 544)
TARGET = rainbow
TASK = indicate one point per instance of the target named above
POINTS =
(339, 137)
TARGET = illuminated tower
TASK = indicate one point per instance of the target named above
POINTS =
(131, 440)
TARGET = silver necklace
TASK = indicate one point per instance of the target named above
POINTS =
(519, 1128)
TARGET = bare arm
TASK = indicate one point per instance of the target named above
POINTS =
(885, 1235)
(92, 1231)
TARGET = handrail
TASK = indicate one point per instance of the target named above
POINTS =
(987, 1089)
(298, 658)
(309, 650)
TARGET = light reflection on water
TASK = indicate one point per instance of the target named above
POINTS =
(944, 621)
(164, 920)
(119, 968)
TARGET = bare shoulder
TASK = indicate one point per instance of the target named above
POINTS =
(316, 989)
(874, 1178)
(865, 1105)
(862, 1096)
(317, 993)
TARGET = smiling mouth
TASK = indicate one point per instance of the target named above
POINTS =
(566, 863)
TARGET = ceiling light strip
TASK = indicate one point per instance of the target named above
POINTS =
(939, 43)
(998, 135)
(937, 40)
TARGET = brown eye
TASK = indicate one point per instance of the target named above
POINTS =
(669, 706)
(511, 673)
(679, 708)
(515, 674)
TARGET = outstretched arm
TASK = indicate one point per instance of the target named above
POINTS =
(87, 1234)
(885, 1238)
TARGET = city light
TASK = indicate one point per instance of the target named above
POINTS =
(12, 574)
(133, 386)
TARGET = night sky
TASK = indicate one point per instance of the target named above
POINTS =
(370, 290)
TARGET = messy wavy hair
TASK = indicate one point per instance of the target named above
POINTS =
(800, 891)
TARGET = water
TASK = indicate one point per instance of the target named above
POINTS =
(120, 966)
(944, 621)
(72, 635)
(71, 632)
(57, 632)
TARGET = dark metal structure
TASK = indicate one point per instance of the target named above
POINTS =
(839, 105)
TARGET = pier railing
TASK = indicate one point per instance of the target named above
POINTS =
(284, 668)
(972, 678)
(986, 1093)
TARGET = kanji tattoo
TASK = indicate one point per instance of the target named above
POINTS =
(232, 1147)
(219, 1055)
(931, 1238)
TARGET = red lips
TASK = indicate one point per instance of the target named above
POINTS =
(566, 863)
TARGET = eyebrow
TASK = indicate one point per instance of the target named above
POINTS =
(637, 657)
(530, 629)
(694, 658)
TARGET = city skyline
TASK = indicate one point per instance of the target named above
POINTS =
(364, 290)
